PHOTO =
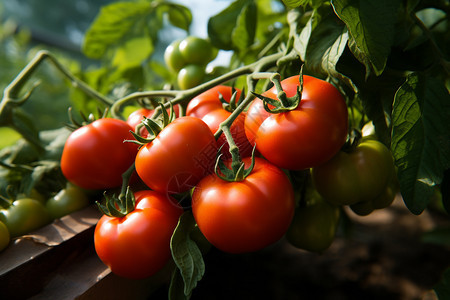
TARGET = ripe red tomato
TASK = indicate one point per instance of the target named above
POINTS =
(138, 244)
(208, 101)
(208, 107)
(247, 215)
(304, 137)
(182, 154)
(95, 155)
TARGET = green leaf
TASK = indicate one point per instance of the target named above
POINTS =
(243, 34)
(331, 56)
(186, 254)
(301, 41)
(179, 16)
(295, 3)
(371, 24)
(221, 26)
(326, 33)
(176, 288)
(23, 123)
(114, 22)
(133, 52)
(420, 138)
(442, 288)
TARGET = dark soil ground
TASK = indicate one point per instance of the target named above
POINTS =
(383, 258)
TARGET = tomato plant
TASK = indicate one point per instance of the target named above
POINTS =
(208, 106)
(66, 201)
(247, 215)
(179, 156)
(24, 215)
(302, 137)
(95, 155)
(358, 176)
(383, 62)
(4, 236)
(137, 245)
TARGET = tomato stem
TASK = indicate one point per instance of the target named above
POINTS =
(118, 206)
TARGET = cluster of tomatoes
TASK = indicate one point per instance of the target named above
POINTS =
(26, 214)
(240, 203)
(187, 58)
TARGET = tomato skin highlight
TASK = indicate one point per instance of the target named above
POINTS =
(95, 155)
(248, 215)
(304, 137)
(138, 245)
(182, 154)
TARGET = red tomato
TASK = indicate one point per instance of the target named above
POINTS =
(248, 215)
(208, 107)
(138, 115)
(95, 155)
(138, 244)
(208, 101)
(182, 154)
(304, 137)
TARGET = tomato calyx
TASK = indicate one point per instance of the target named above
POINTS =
(237, 172)
(118, 206)
(86, 119)
(353, 140)
(234, 101)
(285, 103)
(153, 126)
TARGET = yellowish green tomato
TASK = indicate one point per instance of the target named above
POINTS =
(196, 50)
(360, 175)
(68, 200)
(173, 58)
(4, 236)
(314, 226)
(384, 200)
(190, 76)
(23, 216)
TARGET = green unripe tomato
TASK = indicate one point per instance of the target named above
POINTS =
(190, 76)
(384, 200)
(358, 176)
(68, 200)
(314, 226)
(4, 236)
(362, 208)
(196, 50)
(23, 216)
(173, 58)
